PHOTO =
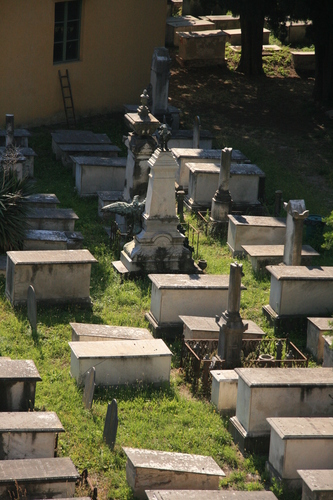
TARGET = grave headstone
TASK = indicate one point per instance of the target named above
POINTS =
(111, 424)
(89, 388)
(32, 308)
(221, 203)
(296, 214)
(159, 79)
(196, 132)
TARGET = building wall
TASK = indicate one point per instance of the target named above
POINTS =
(116, 46)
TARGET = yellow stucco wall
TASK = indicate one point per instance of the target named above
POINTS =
(116, 45)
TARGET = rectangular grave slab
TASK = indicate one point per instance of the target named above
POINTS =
(21, 137)
(224, 391)
(104, 150)
(94, 174)
(316, 484)
(328, 351)
(106, 198)
(42, 200)
(149, 469)
(58, 276)
(254, 230)
(86, 332)
(175, 295)
(202, 327)
(301, 291)
(28, 434)
(39, 239)
(75, 137)
(122, 362)
(261, 256)
(299, 443)
(317, 327)
(223, 22)
(184, 139)
(303, 61)
(235, 36)
(18, 378)
(174, 25)
(184, 155)
(208, 494)
(277, 392)
(201, 48)
(38, 477)
(52, 219)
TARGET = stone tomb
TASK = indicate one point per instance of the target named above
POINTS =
(122, 362)
(202, 328)
(235, 36)
(60, 137)
(41, 200)
(201, 48)
(52, 219)
(39, 239)
(224, 391)
(21, 138)
(303, 61)
(173, 295)
(316, 484)
(317, 327)
(94, 173)
(28, 162)
(184, 139)
(149, 469)
(223, 22)
(300, 291)
(18, 378)
(38, 478)
(261, 256)
(174, 25)
(69, 150)
(86, 332)
(209, 495)
(28, 434)
(328, 351)
(277, 392)
(58, 276)
(299, 443)
(254, 230)
(106, 198)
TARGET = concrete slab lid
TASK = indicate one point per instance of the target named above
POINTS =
(275, 250)
(52, 213)
(117, 332)
(224, 375)
(302, 53)
(205, 168)
(42, 198)
(246, 169)
(18, 132)
(177, 462)
(206, 153)
(303, 427)
(291, 377)
(191, 281)
(110, 195)
(67, 148)
(317, 480)
(38, 470)
(32, 421)
(301, 273)
(18, 369)
(43, 234)
(208, 495)
(257, 220)
(121, 348)
(187, 21)
(222, 17)
(195, 323)
(27, 257)
(238, 31)
(75, 137)
(99, 161)
(322, 323)
(202, 34)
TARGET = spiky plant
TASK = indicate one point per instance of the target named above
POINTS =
(13, 210)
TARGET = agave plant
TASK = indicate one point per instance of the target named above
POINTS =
(13, 222)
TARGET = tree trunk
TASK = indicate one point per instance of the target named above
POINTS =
(323, 30)
(252, 24)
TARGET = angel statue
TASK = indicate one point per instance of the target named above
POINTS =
(132, 212)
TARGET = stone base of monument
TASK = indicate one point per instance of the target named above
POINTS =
(316, 484)
(224, 391)
(316, 329)
(212, 495)
(38, 478)
(18, 378)
(149, 469)
(122, 362)
(299, 443)
(86, 332)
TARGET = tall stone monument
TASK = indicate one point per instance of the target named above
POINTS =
(230, 323)
(296, 214)
(159, 79)
(221, 203)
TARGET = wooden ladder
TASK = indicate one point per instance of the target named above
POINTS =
(67, 98)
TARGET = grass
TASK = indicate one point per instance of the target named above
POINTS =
(274, 122)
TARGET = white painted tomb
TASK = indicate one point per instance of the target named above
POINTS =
(224, 391)
(235, 36)
(278, 392)
(203, 327)
(316, 328)
(261, 256)
(94, 173)
(103, 150)
(300, 290)
(174, 295)
(254, 230)
(317, 484)
(201, 48)
(299, 443)
(38, 477)
(18, 378)
(28, 434)
(150, 469)
(303, 60)
(86, 332)
(122, 362)
(328, 351)
(209, 495)
(174, 25)
(58, 276)
(52, 219)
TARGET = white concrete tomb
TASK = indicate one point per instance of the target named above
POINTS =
(224, 391)
(316, 484)
(18, 378)
(317, 327)
(86, 332)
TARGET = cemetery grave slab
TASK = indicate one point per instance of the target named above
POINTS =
(149, 469)
(201, 328)
(52, 219)
(303, 60)
(28, 162)
(104, 150)
(42, 200)
(224, 391)
(39, 239)
(58, 276)
(38, 477)
(264, 255)
(106, 198)
(28, 434)
(87, 332)
(184, 139)
(299, 443)
(60, 137)
(21, 137)
(328, 351)
(174, 25)
(254, 230)
(317, 327)
(18, 379)
(235, 36)
(122, 362)
(277, 392)
(209, 495)
(94, 173)
(316, 484)
(223, 22)
(201, 48)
